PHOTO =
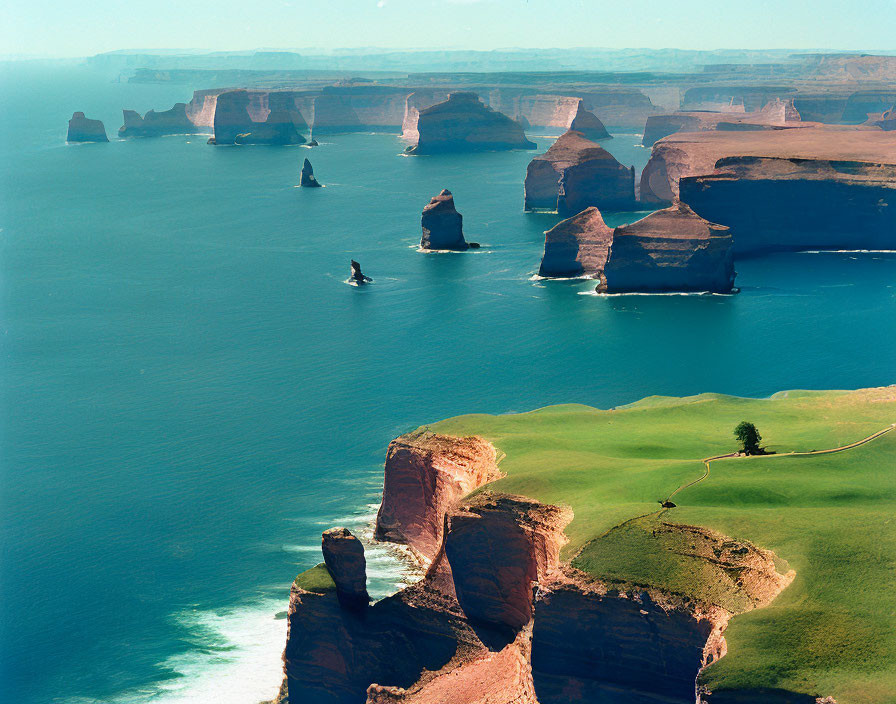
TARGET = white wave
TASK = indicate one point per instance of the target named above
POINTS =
(848, 251)
(582, 277)
(658, 293)
(235, 659)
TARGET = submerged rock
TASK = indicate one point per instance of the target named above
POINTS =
(464, 124)
(358, 277)
(308, 179)
(83, 129)
(442, 224)
(577, 246)
(344, 558)
(576, 173)
(670, 250)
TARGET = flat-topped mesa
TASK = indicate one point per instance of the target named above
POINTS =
(577, 246)
(805, 203)
(777, 114)
(158, 124)
(443, 226)
(414, 103)
(464, 124)
(308, 179)
(588, 124)
(426, 475)
(576, 173)
(344, 558)
(696, 153)
(670, 250)
(83, 129)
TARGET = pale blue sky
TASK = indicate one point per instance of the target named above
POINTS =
(84, 27)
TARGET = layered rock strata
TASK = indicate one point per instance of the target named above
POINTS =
(577, 246)
(576, 173)
(670, 250)
(158, 124)
(463, 124)
(242, 117)
(83, 129)
(307, 178)
(498, 618)
(442, 225)
(426, 474)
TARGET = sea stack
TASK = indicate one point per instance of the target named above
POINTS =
(83, 129)
(442, 224)
(344, 558)
(308, 179)
(577, 246)
(357, 276)
(158, 124)
(670, 250)
(464, 124)
(576, 173)
(588, 124)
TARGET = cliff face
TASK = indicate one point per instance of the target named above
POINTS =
(578, 246)
(359, 108)
(576, 173)
(414, 103)
(806, 203)
(83, 129)
(442, 224)
(158, 124)
(463, 124)
(425, 476)
(696, 153)
(244, 117)
(670, 250)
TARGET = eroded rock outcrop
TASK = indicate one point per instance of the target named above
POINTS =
(158, 124)
(577, 246)
(307, 179)
(670, 250)
(442, 225)
(357, 276)
(344, 559)
(426, 475)
(414, 103)
(576, 173)
(588, 124)
(464, 124)
(83, 129)
(257, 117)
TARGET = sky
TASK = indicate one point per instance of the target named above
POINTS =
(62, 28)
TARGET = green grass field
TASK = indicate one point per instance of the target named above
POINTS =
(829, 517)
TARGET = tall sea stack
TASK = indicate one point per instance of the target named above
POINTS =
(308, 179)
(83, 129)
(442, 224)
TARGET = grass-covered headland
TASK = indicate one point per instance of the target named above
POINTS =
(830, 517)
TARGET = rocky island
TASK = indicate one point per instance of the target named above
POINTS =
(443, 225)
(671, 250)
(307, 178)
(626, 603)
(83, 129)
(576, 173)
(158, 124)
(464, 124)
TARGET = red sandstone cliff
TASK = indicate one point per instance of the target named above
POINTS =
(577, 246)
(576, 173)
(426, 475)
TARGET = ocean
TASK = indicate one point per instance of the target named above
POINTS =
(191, 392)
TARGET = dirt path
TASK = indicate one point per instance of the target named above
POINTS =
(850, 446)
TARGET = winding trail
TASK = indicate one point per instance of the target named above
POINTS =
(706, 461)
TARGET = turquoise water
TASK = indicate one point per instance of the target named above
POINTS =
(191, 393)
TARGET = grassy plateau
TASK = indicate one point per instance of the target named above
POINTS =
(829, 517)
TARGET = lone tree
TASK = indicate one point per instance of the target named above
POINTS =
(749, 437)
